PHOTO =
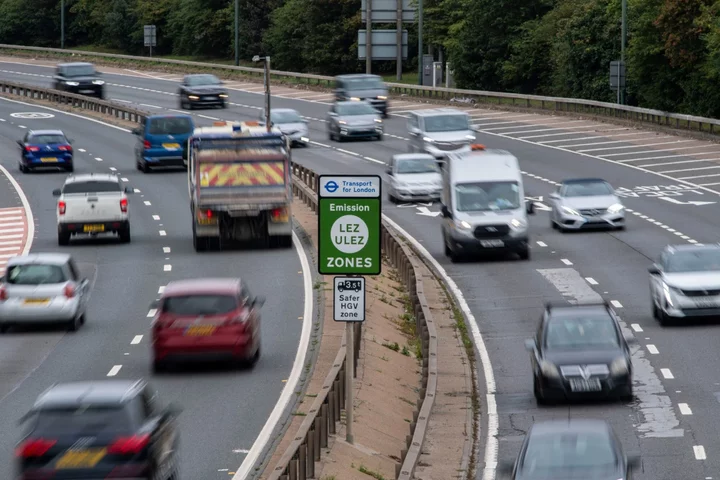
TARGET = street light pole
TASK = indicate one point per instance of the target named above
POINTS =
(623, 43)
(237, 33)
(62, 23)
(420, 42)
(258, 58)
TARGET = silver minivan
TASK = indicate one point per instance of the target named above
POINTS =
(440, 131)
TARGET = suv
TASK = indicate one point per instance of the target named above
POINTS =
(92, 203)
(79, 77)
(99, 429)
(440, 131)
(162, 141)
(580, 350)
(363, 87)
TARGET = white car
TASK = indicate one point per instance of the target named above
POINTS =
(90, 204)
(290, 123)
(413, 177)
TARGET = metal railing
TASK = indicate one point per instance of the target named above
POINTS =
(535, 102)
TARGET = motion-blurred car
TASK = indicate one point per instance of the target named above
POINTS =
(290, 123)
(79, 77)
(101, 429)
(162, 141)
(413, 177)
(348, 120)
(206, 318)
(202, 90)
(685, 283)
(90, 204)
(579, 351)
(571, 449)
(43, 288)
(363, 87)
(586, 203)
(440, 131)
(45, 148)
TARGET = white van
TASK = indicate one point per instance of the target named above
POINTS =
(483, 204)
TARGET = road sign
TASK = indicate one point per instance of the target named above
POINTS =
(349, 222)
(617, 74)
(384, 44)
(385, 11)
(349, 299)
(150, 32)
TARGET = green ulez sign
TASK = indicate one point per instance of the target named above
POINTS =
(349, 219)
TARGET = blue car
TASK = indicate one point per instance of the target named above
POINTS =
(45, 149)
(162, 141)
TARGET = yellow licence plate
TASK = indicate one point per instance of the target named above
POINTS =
(280, 218)
(93, 228)
(36, 301)
(171, 146)
(207, 221)
(81, 458)
(48, 159)
(200, 330)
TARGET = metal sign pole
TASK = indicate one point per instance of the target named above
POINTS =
(349, 380)
(368, 37)
(267, 94)
(399, 41)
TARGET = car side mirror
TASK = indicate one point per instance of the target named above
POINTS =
(389, 171)
(554, 196)
(154, 305)
(445, 212)
(57, 192)
(136, 131)
(530, 344)
(505, 468)
(259, 301)
(530, 207)
(654, 270)
(129, 190)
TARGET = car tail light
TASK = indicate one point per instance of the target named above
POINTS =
(62, 206)
(146, 145)
(123, 205)
(3, 294)
(69, 291)
(209, 214)
(32, 149)
(34, 447)
(129, 445)
(65, 148)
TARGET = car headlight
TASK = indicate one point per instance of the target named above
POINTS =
(354, 99)
(342, 122)
(615, 208)
(428, 140)
(470, 137)
(619, 366)
(549, 370)
(72, 84)
(517, 224)
(382, 97)
(193, 97)
(668, 291)
(223, 95)
(570, 211)
(463, 225)
(377, 120)
(98, 82)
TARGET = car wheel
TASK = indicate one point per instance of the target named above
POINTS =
(553, 225)
(540, 397)
(524, 253)
(655, 309)
(159, 366)
(626, 394)
(380, 137)
(331, 135)
(23, 168)
(125, 235)
(69, 167)
(74, 324)
(621, 228)
(4, 327)
(63, 239)
(144, 167)
(392, 198)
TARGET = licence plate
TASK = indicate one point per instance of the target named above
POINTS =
(583, 385)
(87, 91)
(492, 243)
(207, 221)
(280, 218)
(171, 146)
(93, 228)
(48, 159)
(200, 330)
(36, 301)
(81, 458)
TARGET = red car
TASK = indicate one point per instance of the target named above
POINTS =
(207, 318)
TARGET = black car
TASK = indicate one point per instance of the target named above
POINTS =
(363, 87)
(580, 351)
(103, 429)
(79, 77)
(202, 90)
(564, 449)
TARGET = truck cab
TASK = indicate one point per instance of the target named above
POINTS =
(483, 204)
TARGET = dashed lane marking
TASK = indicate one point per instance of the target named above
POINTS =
(667, 373)
(167, 268)
(566, 261)
(636, 327)
(137, 339)
(114, 370)
(591, 280)
(652, 349)
(685, 409)
(699, 452)
(151, 313)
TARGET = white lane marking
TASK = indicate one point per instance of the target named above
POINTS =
(667, 373)
(167, 268)
(161, 289)
(697, 160)
(298, 365)
(26, 208)
(685, 409)
(124, 179)
(209, 118)
(136, 190)
(98, 159)
(124, 101)
(162, 233)
(566, 261)
(151, 313)
(606, 143)
(699, 452)
(167, 249)
(114, 370)
(146, 202)
(542, 244)
(616, 304)
(591, 280)
(636, 327)
(689, 169)
(151, 106)
(9, 249)
(652, 349)
(635, 146)
(156, 217)
(137, 339)
(113, 169)
(22, 126)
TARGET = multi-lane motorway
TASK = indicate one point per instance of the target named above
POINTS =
(671, 423)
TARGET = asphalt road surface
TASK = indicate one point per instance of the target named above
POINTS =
(670, 188)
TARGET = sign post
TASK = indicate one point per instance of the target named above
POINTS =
(150, 34)
(349, 227)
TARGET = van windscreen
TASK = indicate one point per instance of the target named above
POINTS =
(487, 196)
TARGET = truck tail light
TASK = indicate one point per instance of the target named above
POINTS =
(62, 206)
(123, 205)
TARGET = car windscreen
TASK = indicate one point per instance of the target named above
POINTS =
(285, 117)
(198, 80)
(487, 196)
(364, 84)
(46, 139)
(199, 304)
(95, 186)
(446, 123)
(588, 455)
(418, 165)
(80, 71)
(34, 274)
(359, 108)
(693, 261)
(83, 419)
(581, 331)
(170, 126)
(589, 189)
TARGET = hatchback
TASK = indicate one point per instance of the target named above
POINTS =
(45, 149)
(162, 141)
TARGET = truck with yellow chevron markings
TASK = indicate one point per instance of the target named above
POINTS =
(239, 182)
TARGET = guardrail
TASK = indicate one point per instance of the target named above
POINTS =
(536, 102)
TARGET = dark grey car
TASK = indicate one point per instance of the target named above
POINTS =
(202, 90)
(570, 450)
(348, 120)
(79, 77)
(363, 87)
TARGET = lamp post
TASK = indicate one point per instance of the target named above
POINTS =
(623, 42)
(62, 23)
(420, 41)
(237, 33)
(266, 60)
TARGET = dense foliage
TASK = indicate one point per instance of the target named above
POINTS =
(547, 47)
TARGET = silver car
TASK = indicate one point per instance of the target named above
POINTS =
(43, 288)
(291, 124)
(348, 120)
(586, 203)
(413, 177)
(685, 282)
